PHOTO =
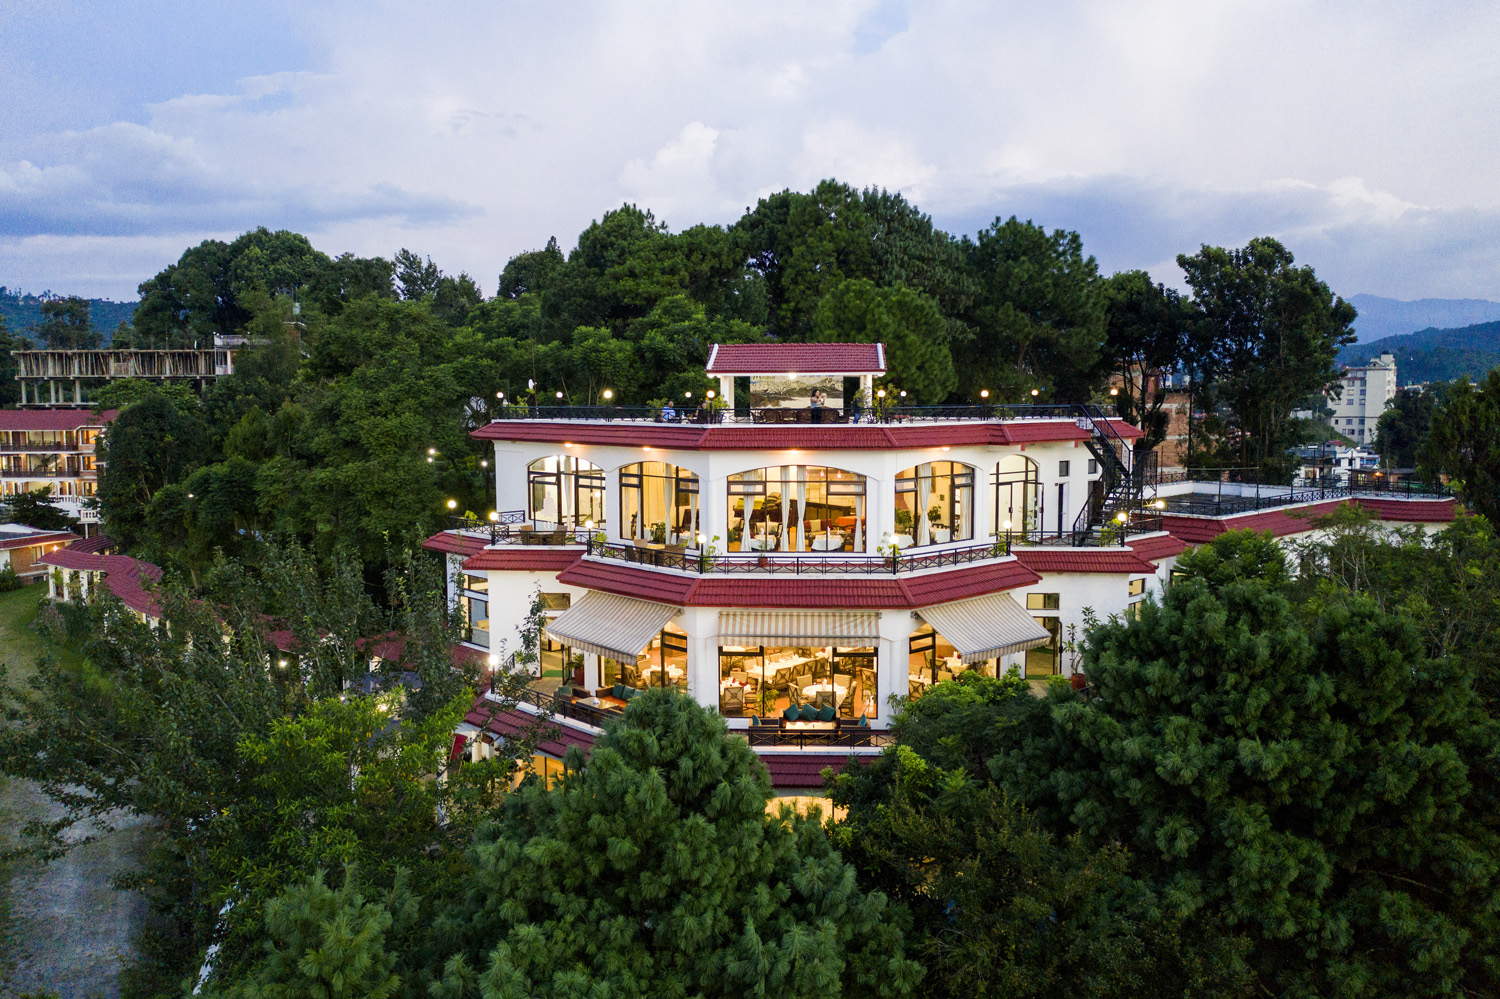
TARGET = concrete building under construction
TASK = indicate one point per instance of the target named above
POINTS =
(59, 377)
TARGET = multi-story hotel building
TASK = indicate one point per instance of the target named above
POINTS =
(776, 555)
(53, 447)
(1365, 392)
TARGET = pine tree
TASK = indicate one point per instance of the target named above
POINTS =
(654, 870)
(1317, 782)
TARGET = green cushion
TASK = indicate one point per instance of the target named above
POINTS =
(631, 693)
(808, 713)
(827, 714)
(619, 692)
(864, 722)
(754, 721)
(792, 713)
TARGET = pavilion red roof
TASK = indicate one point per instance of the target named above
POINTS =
(796, 359)
(125, 577)
(533, 557)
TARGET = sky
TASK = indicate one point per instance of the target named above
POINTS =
(1364, 135)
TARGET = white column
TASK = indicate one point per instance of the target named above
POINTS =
(891, 662)
(726, 392)
(866, 391)
(702, 627)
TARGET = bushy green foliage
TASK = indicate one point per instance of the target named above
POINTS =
(1003, 908)
(1464, 443)
(1318, 782)
(655, 870)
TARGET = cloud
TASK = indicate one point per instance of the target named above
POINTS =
(475, 132)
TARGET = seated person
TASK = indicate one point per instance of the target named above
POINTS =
(668, 412)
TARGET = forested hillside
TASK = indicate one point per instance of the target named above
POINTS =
(1436, 355)
(22, 311)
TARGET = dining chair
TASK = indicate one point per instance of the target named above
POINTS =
(943, 674)
(734, 700)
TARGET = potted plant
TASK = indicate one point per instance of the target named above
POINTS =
(659, 533)
(903, 522)
(938, 529)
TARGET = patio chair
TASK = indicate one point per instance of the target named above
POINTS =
(943, 674)
(734, 700)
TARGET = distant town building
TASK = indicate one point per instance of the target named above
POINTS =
(1334, 462)
(1367, 391)
(53, 447)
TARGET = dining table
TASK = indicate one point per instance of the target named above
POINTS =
(838, 690)
(827, 541)
(674, 673)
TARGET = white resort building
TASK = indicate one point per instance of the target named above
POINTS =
(797, 567)
(54, 448)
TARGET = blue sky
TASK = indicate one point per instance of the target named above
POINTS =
(1363, 134)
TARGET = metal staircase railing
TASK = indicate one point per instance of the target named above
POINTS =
(1120, 493)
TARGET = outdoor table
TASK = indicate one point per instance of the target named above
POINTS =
(673, 672)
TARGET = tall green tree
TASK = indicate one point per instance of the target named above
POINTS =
(1402, 429)
(65, 325)
(150, 445)
(914, 332)
(655, 870)
(1266, 336)
(38, 509)
(1038, 315)
(1463, 443)
(1145, 326)
(1319, 782)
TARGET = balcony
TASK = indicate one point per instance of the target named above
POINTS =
(1212, 493)
(52, 448)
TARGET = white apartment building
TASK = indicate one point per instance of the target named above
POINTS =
(1367, 391)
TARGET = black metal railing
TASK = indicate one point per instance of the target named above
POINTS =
(783, 415)
(1203, 504)
(512, 527)
(795, 563)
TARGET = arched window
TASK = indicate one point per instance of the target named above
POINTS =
(565, 491)
(1017, 497)
(935, 503)
(659, 503)
(797, 508)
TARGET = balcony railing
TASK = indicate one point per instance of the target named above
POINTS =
(512, 527)
(32, 448)
(1205, 504)
(779, 416)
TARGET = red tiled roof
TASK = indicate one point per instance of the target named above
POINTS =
(796, 358)
(53, 419)
(813, 592)
(833, 436)
(33, 540)
(125, 577)
(1291, 520)
(1154, 547)
(524, 557)
(1050, 560)
(790, 770)
(489, 716)
(1416, 510)
(97, 545)
(454, 543)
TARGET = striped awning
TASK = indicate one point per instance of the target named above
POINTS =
(764, 627)
(610, 625)
(986, 627)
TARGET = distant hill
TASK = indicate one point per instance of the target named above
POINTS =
(23, 311)
(1435, 354)
(1385, 317)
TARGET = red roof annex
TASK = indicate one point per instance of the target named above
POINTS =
(1296, 520)
(498, 720)
(125, 577)
(1155, 547)
(796, 359)
(807, 592)
(1050, 560)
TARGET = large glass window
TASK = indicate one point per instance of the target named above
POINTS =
(764, 680)
(935, 504)
(797, 508)
(565, 491)
(659, 504)
(932, 659)
(663, 663)
(1017, 497)
(1047, 659)
(477, 617)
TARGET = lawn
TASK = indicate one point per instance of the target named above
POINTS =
(20, 646)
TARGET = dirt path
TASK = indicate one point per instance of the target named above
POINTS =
(62, 927)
